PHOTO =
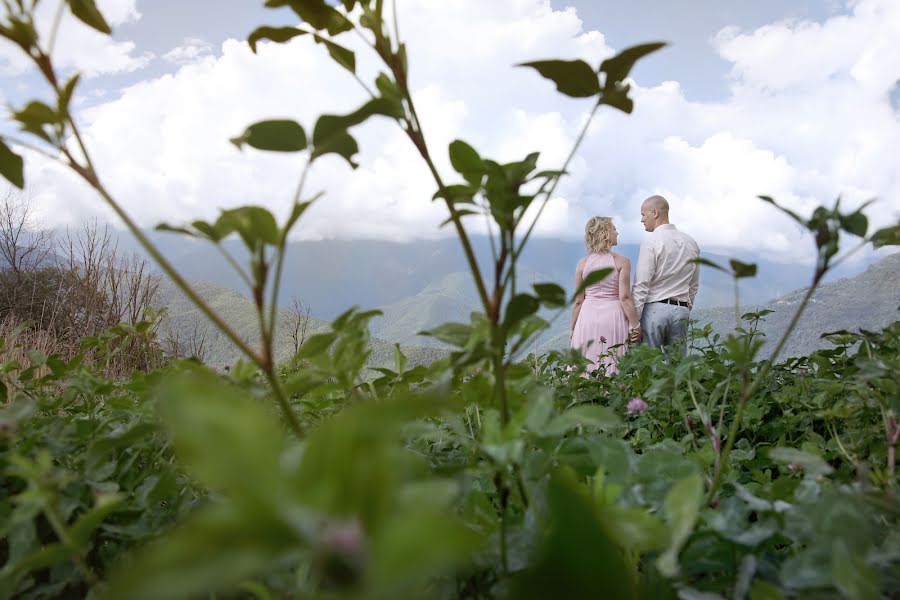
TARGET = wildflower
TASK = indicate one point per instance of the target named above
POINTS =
(602, 340)
(795, 467)
(636, 406)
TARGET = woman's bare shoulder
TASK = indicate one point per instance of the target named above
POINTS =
(621, 259)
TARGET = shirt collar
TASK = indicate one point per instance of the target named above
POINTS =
(667, 226)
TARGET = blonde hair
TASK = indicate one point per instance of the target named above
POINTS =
(598, 234)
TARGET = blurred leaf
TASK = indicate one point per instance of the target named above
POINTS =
(619, 66)
(742, 269)
(213, 550)
(342, 56)
(330, 133)
(761, 590)
(296, 213)
(318, 13)
(86, 11)
(634, 529)
(226, 438)
(403, 555)
(887, 236)
(855, 223)
(592, 278)
(11, 166)
(254, 224)
(455, 334)
(811, 464)
(276, 135)
(573, 78)
(577, 558)
(279, 35)
(682, 507)
(585, 415)
(786, 211)
(84, 527)
(519, 307)
(340, 143)
(550, 294)
(852, 575)
(708, 263)
(65, 95)
(316, 344)
(466, 162)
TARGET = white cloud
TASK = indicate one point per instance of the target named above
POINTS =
(189, 51)
(79, 47)
(808, 118)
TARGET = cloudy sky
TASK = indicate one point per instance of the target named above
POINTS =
(796, 99)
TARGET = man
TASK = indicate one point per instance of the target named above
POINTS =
(665, 279)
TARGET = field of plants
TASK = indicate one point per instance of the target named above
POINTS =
(487, 474)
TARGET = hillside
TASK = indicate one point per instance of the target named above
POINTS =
(184, 320)
(868, 300)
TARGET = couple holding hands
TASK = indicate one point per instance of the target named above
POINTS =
(655, 309)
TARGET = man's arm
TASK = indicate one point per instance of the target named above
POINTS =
(643, 273)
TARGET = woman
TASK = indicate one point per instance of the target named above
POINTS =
(603, 315)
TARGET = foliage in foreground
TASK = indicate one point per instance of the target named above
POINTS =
(394, 491)
(476, 476)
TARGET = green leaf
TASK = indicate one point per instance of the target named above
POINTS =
(342, 144)
(634, 529)
(682, 507)
(254, 224)
(35, 114)
(742, 269)
(455, 334)
(887, 236)
(278, 35)
(276, 135)
(855, 223)
(86, 12)
(466, 162)
(456, 194)
(550, 294)
(225, 436)
(402, 552)
(708, 263)
(519, 307)
(786, 211)
(84, 527)
(592, 278)
(317, 13)
(573, 78)
(65, 96)
(316, 344)
(811, 464)
(619, 66)
(761, 590)
(11, 166)
(342, 56)
(585, 415)
(852, 575)
(296, 213)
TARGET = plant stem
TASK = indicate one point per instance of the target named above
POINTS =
(59, 528)
(748, 391)
(283, 402)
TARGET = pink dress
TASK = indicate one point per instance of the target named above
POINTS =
(602, 322)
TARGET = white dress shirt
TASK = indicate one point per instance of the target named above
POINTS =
(664, 269)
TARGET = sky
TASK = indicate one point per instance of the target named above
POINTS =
(795, 99)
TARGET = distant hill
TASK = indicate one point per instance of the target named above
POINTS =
(869, 300)
(332, 275)
(184, 320)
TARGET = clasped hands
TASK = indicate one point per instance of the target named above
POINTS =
(635, 335)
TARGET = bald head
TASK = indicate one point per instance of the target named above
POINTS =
(654, 212)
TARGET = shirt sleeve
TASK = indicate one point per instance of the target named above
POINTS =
(643, 274)
(695, 277)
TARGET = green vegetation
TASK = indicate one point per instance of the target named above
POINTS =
(478, 475)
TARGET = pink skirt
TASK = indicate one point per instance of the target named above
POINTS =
(601, 325)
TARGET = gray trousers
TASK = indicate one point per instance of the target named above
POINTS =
(665, 325)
